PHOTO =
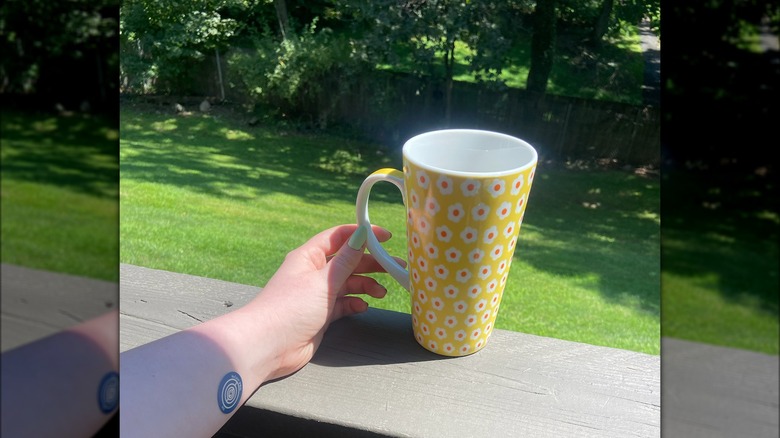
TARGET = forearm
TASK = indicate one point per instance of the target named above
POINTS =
(174, 386)
(187, 384)
(64, 384)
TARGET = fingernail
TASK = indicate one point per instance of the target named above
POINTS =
(358, 238)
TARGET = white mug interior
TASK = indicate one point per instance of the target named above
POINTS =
(469, 152)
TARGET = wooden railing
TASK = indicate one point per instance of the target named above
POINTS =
(37, 303)
(370, 377)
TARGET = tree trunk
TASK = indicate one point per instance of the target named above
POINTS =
(542, 46)
(281, 15)
(602, 23)
(449, 60)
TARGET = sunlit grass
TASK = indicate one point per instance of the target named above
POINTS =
(694, 310)
(721, 267)
(231, 209)
(59, 194)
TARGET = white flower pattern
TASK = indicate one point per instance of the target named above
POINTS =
(444, 233)
(462, 233)
(444, 183)
(497, 188)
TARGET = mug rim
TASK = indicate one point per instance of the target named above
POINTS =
(520, 142)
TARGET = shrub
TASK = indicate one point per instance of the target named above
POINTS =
(296, 74)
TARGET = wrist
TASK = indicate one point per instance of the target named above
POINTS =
(247, 337)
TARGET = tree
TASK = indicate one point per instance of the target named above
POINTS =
(62, 51)
(602, 22)
(431, 33)
(613, 17)
(542, 46)
(283, 17)
(161, 40)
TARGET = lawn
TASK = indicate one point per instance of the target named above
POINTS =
(205, 195)
(59, 190)
(720, 259)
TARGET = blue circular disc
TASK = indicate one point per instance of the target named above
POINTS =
(229, 392)
(108, 392)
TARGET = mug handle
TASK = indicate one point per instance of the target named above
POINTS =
(398, 272)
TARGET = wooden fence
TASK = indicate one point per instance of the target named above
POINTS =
(392, 108)
(389, 108)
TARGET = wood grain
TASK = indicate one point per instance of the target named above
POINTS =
(370, 377)
(37, 303)
(718, 392)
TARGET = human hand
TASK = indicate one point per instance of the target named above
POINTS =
(311, 289)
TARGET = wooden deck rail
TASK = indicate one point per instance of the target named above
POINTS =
(370, 378)
(37, 303)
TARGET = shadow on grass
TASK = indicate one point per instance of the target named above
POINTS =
(597, 223)
(594, 223)
(720, 189)
(719, 227)
(218, 158)
(75, 152)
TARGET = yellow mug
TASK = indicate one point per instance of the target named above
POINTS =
(465, 193)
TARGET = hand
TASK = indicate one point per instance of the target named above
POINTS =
(168, 385)
(310, 290)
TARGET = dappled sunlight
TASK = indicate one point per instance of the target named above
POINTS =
(600, 238)
(652, 216)
(234, 134)
(111, 134)
(724, 264)
(278, 182)
(614, 271)
(694, 310)
(48, 125)
(225, 160)
(165, 126)
(59, 185)
(597, 226)
(75, 153)
(548, 303)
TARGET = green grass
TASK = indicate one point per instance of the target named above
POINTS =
(614, 73)
(720, 261)
(59, 194)
(204, 196)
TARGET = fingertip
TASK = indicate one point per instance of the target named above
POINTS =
(381, 291)
(346, 306)
(400, 261)
(358, 305)
(358, 238)
(382, 234)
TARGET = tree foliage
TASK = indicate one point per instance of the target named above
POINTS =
(161, 40)
(286, 72)
(57, 48)
(605, 18)
(282, 49)
(429, 32)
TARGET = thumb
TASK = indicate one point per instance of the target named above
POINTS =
(343, 264)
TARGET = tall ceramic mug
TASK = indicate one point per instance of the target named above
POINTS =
(465, 193)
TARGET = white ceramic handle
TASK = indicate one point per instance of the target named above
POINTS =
(398, 272)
